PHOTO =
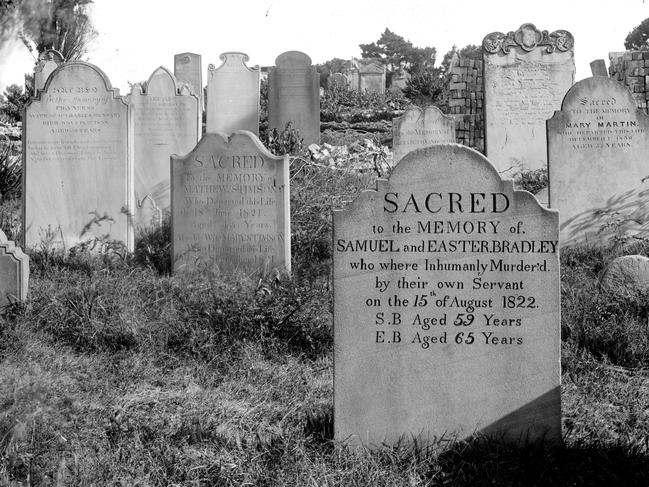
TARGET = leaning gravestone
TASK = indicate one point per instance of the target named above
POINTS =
(230, 206)
(597, 149)
(189, 70)
(77, 172)
(14, 272)
(418, 128)
(526, 75)
(47, 62)
(233, 95)
(446, 306)
(164, 123)
(294, 95)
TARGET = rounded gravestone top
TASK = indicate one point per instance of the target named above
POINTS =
(292, 59)
(628, 274)
(593, 86)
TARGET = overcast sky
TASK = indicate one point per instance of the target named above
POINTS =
(137, 36)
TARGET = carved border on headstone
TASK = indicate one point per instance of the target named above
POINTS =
(241, 55)
(9, 248)
(51, 55)
(528, 37)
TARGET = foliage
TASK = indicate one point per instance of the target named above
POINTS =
(288, 141)
(263, 109)
(13, 103)
(428, 88)
(532, 181)
(334, 65)
(153, 247)
(10, 171)
(340, 103)
(638, 38)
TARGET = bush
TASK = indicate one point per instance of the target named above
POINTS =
(428, 88)
(532, 181)
(342, 104)
(288, 141)
(11, 170)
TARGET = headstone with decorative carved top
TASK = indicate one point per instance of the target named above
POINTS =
(14, 272)
(47, 62)
(526, 74)
(233, 95)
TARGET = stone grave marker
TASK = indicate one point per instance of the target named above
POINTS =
(294, 95)
(598, 67)
(230, 206)
(164, 123)
(446, 306)
(14, 272)
(526, 75)
(233, 95)
(47, 62)
(597, 149)
(418, 128)
(337, 79)
(77, 171)
(188, 69)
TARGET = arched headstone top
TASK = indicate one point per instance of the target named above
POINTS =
(51, 55)
(161, 82)
(528, 37)
(233, 60)
(575, 95)
(293, 59)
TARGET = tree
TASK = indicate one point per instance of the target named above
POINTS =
(637, 39)
(13, 103)
(398, 54)
(334, 65)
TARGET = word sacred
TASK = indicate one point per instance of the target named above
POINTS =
(450, 202)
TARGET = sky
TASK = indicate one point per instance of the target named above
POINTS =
(137, 36)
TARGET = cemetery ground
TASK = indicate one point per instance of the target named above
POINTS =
(115, 373)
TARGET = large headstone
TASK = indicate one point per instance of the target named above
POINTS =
(164, 123)
(233, 95)
(47, 62)
(189, 70)
(446, 306)
(420, 127)
(371, 76)
(526, 75)
(230, 206)
(77, 172)
(597, 148)
(294, 95)
(14, 272)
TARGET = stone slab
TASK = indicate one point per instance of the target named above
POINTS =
(597, 147)
(188, 69)
(446, 306)
(420, 127)
(294, 95)
(77, 171)
(230, 206)
(164, 123)
(14, 272)
(598, 67)
(526, 75)
(233, 95)
(47, 62)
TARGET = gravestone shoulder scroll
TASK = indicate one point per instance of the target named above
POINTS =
(526, 74)
(597, 149)
(14, 272)
(446, 306)
(420, 127)
(233, 95)
(230, 207)
(294, 95)
(164, 123)
(77, 164)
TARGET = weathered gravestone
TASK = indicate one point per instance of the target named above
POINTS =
(294, 95)
(598, 67)
(233, 95)
(14, 272)
(597, 148)
(418, 128)
(164, 123)
(526, 75)
(337, 80)
(446, 306)
(47, 62)
(77, 172)
(189, 70)
(230, 206)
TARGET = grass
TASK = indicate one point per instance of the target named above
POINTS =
(116, 374)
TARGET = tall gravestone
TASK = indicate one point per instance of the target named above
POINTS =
(47, 62)
(230, 206)
(597, 148)
(233, 95)
(188, 69)
(294, 95)
(526, 75)
(164, 123)
(14, 272)
(77, 171)
(446, 306)
(420, 127)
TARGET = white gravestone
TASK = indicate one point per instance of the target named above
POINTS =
(420, 127)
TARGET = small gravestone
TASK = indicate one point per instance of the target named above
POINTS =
(337, 80)
(76, 161)
(230, 206)
(164, 123)
(14, 272)
(597, 150)
(294, 95)
(420, 127)
(526, 75)
(446, 306)
(598, 67)
(627, 275)
(189, 70)
(47, 62)
(233, 95)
